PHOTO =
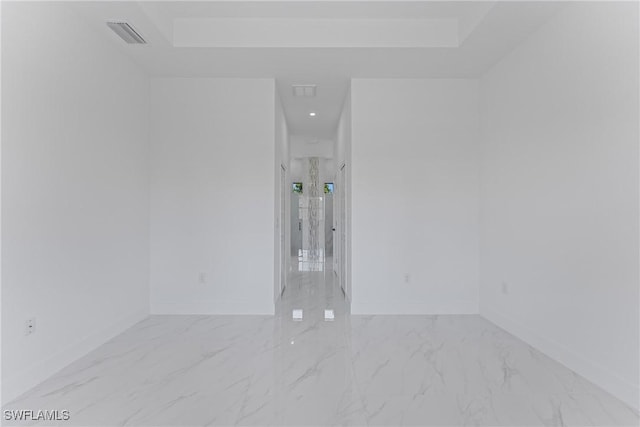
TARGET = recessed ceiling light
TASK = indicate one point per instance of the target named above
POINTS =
(312, 114)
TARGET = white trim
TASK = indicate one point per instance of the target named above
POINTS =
(404, 307)
(219, 307)
(15, 385)
(282, 235)
(619, 387)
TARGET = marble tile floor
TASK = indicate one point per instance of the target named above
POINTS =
(351, 370)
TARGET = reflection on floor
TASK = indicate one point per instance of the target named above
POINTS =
(314, 364)
(310, 260)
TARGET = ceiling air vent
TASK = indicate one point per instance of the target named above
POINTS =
(307, 91)
(126, 32)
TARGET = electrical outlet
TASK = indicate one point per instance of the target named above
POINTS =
(505, 288)
(407, 278)
(30, 326)
(202, 278)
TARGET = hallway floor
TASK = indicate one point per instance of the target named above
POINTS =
(352, 370)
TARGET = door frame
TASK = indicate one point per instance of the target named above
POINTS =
(284, 257)
(342, 235)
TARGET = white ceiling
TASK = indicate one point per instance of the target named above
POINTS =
(319, 9)
(324, 42)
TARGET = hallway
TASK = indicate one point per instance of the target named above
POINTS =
(350, 370)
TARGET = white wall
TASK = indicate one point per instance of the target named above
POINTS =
(342, 146)
(74, 191)
(414, 196)
(1, 397)
(304, 146)
(300, 169)
(560, 193)
(283, 220)
(212, 195)
(327, 170)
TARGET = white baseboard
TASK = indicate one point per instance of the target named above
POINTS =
(214, 307)
(15, 385)
(407, 307)
(619, 387)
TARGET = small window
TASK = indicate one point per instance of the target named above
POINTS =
(297, 187)
(328, 187)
